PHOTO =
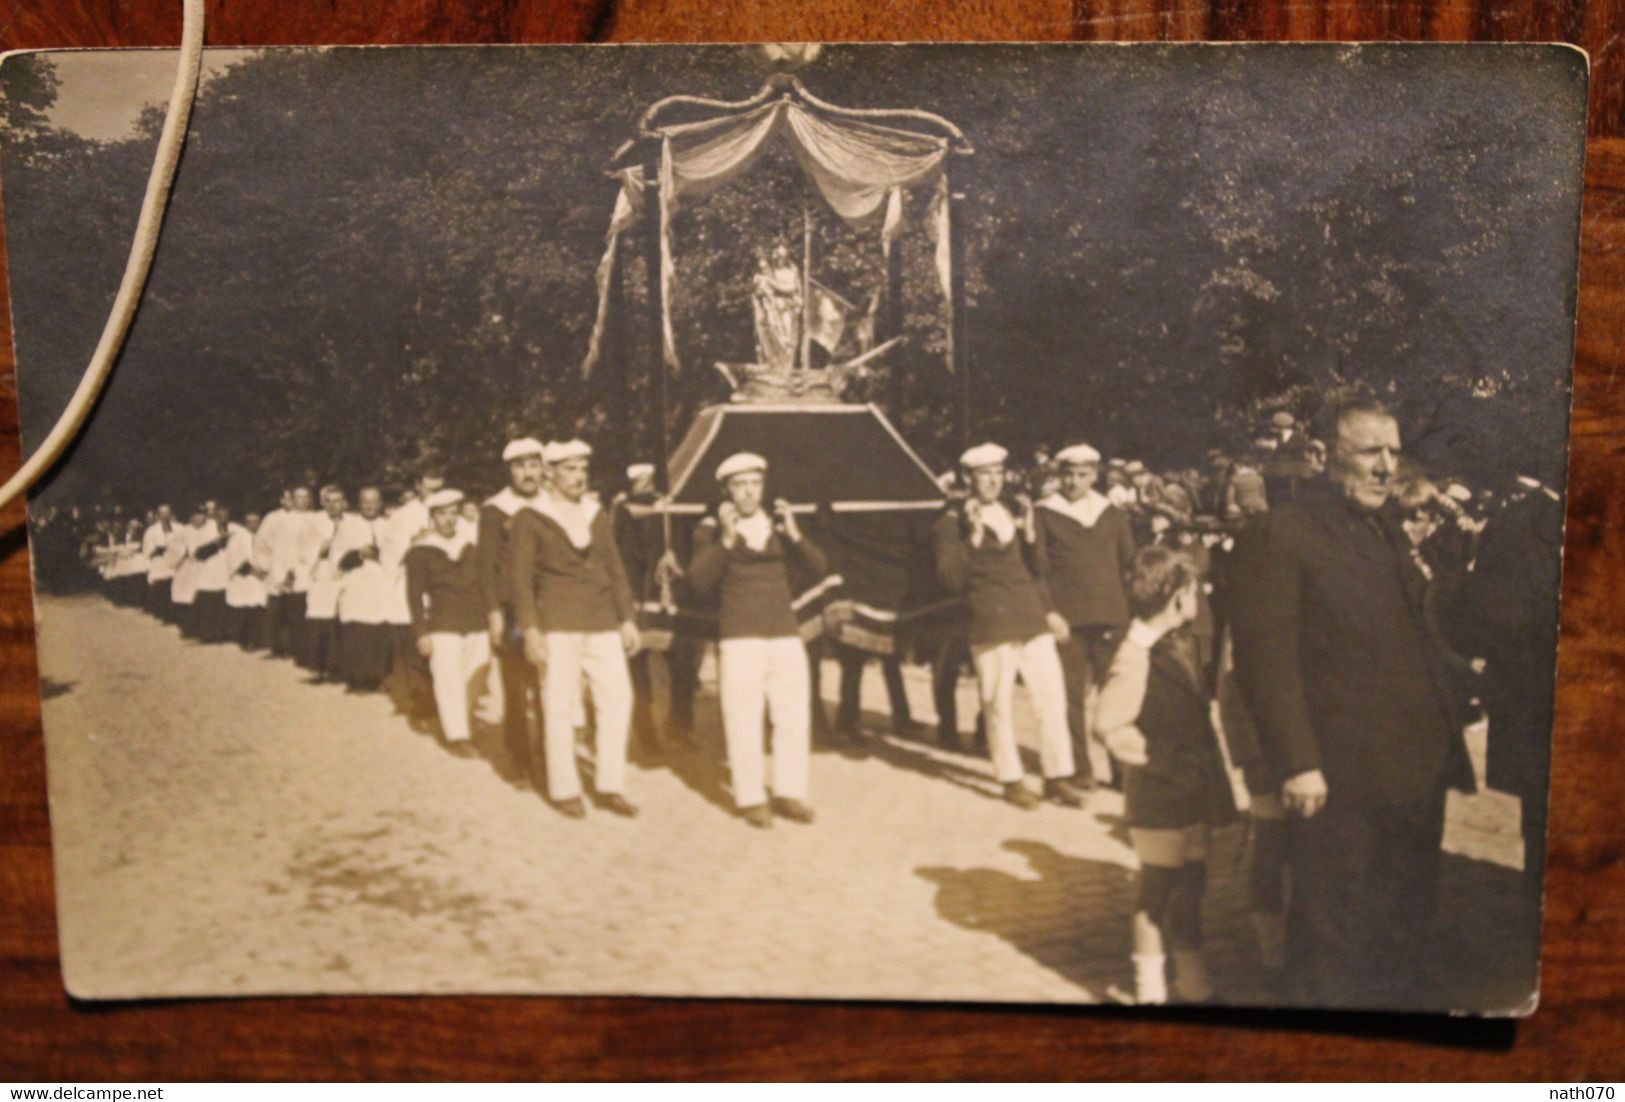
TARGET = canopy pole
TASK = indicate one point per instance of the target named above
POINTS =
(958, 353)
(890, 326)
(621, 369)
(805, 352)
(656, 318)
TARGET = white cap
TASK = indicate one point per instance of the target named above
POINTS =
(518, 449)
(983, 455)
(1457, 492)
(442, 498)
(1134, 466)
(1078, 453)
(559, 451)
(639, 470)
(740, 463)
(1531, 483)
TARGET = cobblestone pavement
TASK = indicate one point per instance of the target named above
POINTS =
(223, 826)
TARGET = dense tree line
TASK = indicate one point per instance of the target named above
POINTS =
(376, 257)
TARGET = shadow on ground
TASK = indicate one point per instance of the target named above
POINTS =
(1030, 913)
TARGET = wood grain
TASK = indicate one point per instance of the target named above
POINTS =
(1579, 1032)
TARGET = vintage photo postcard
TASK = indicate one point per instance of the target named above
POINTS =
(1032, 523)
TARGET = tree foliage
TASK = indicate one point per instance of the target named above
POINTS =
(376, 258)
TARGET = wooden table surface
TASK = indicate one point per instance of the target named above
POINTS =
(1578, 1035)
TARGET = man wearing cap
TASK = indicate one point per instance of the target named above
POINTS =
(446, 600)
(1086, 547)
(523, 458)
(746, 556)
(993, 556)
(575, 608)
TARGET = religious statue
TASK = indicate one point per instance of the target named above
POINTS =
(776, 301)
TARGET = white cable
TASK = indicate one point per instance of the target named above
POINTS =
(135, 269)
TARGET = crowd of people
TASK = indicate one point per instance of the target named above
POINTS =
(1313, 613)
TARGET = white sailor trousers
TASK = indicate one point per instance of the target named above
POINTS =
(600, 657)
(765, 678)
(457, 664)
(1039, 665)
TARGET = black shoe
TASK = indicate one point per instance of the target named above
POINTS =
(617, 804)
(573, 809)
(759, 816)
(462, 748)
(1019, 794)
(794, 810)
(1063, 792)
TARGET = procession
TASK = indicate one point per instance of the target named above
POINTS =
(626, 533)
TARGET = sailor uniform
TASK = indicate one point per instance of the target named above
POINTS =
(154, 545)
(366, 642)
(568, 583)
(445, 600)
(519, 688)
(1087, 546)
(1008, 634)
(245, 590)
(763, 662)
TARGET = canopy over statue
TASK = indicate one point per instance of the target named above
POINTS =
(861, 161)
(845, 463)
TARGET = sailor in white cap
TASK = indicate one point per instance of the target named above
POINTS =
(448, 615)
(574, 606)
(519, 688)
(1087, 544)
(992, 556)
(746, 556)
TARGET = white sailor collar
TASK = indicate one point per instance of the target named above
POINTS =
(1086, 510)
(755, 530)
(508, 501)
(998, 519)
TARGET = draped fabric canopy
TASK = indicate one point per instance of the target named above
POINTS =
(859, 167)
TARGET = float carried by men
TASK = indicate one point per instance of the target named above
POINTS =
(1307, 585)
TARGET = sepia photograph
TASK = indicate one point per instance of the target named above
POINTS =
(986, 523)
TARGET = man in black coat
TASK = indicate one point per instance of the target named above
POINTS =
(1354, 713)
